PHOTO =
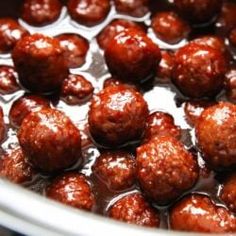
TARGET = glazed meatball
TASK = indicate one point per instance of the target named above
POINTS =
(15, 167)
(165, 169)
(198, 213)
(232, 37)
(215, 133)
(231, 83)
(161, 124)
(50, 140)
(132, 56)
(2, 125)
(117, 115)
(117, 169)
(198, 11)
(75, 49)
(199, 70)
(114, 28)
(135, 8)
(23, 106)
(10, 33)
(41, 12)
(162, 22)
(72, 189)
(76, 89)
(8, 83)
(40, 63)
(88, 12)
(134, 209)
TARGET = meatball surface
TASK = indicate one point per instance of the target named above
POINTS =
(72, 189)
(231, 83)
(232, 37)
(117, 115)
(134, 209)
(50, 140)
(2, 125)
(165, 169)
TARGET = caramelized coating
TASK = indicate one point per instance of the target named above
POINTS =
(114, 82)
(198, 213)
(2, 125)
(230, 80)
(232, 37)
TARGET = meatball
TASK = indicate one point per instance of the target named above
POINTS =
(216, 135)
(114, 28)
(10, 33)
(117, 169)
(117, 115)
(231, 83)
(132, 56)
(2, 125)
(41, 12)
(198, 213)
(88, 12)
(75, 49)
(23, 106)
(134, 209)
(232, 37)
(72, 189)
(40, 63)
(76, 89)
(8, 83)
(198, 11)
(50, 140)
(15, 167)
(165, 169)
(162, 22)
(161, 124)
(199, 70)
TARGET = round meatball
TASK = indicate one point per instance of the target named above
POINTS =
(165, 169)
(162, 22)
(50, 140)
(198, 11)
(72, 189)
(231, 83)
(88, 12)
(76, 89)
(10, 33)
(75, 49)
(40, 12)
(232, 37)
(161, 124)
(23, 106)
(114, 28)
(40, 63)
(15, 167)
(216, 135)
(117, 169)
(132, 56)
(117, 115)
(8, 83)
(198, 213)
(134, 209)
(199, 70)
(2, 125)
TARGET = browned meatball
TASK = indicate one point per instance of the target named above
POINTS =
(135, 8)
(132, 56)
(40, 63)
(88, 12)
(2, 125)
(232, 37)
(198, 213)
(50, 140)
(117, 115)
(76, 89)
(199, 11)
(10, 33)
(161, 124)
(72, 189)
(199, 70)
(75, 49)
(231, 83)
(162, 22)
(117, 169)
(15, 167)
(134, 209)
(216, 135)
(23, 106)
(115, 27)
(41, 12)
(165, 169)
(8, 83)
